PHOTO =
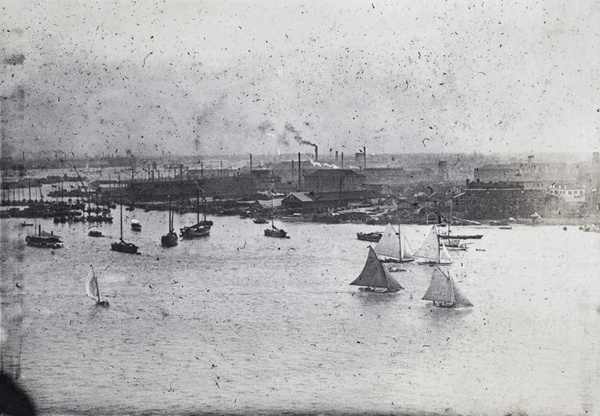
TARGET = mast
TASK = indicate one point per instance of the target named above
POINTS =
(197, 206)
(121, 205)
(96, 282)
(399, 245)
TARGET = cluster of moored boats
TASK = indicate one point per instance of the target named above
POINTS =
(199, 229)
(392, 247)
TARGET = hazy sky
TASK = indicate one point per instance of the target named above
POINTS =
(199, 77)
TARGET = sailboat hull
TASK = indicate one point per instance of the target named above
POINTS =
(195, 231)
(169, 240)
(124, 247)
(276, 233)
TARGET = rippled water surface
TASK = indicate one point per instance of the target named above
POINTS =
(241, 323)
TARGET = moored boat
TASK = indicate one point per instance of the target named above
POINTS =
(170, 239)
(455, 244)
(121, 245)
(373, 237)
(44, 240)
(276, 232)
(201, 228)
(135, 225)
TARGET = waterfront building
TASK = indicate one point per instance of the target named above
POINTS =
(333, 180)
(501, 200)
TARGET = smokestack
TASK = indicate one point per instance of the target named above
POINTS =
(365, 155)
(336, 156)
(250, 162)
(299, 171)
(342, 159)
(316, 153)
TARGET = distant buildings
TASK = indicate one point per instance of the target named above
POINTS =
(514, 189)
(333, 180)
(502, 200)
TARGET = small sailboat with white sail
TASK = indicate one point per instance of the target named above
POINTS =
(432, 251)
(374, 277)
(443, 291)
(393, 247)
(92, 289)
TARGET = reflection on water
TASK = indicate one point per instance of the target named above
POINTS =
(238, 322)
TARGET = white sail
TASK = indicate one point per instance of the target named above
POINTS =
(389, 244)
(443, 290)
(91, 286)
(444, 255)
(430, 249)
(394, 245)
(406, 253)
(374, 275)
(440, 287)
(459, 298)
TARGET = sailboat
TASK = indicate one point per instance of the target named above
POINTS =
(432, 251)
(92, 290)
(201, 228)
(274, 231)
(374, 277)
(121, 245)
(443, 291)
(393, 246)
(452, 242)
(169, 239)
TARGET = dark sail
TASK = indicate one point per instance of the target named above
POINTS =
(374, 275)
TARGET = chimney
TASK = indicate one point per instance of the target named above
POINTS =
(316, 153)
(336, 156)
(250, 162)
(342, 159)
(365, 155)
(299, 171)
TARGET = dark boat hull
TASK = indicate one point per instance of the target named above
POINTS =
(462, 237)
(169, 240)
(276, 233)
(41, 242)
(124, 247)
(372, 237)
(195, 232)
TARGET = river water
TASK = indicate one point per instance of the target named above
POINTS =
(241, 323)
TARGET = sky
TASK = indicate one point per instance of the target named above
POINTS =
(196, 77)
